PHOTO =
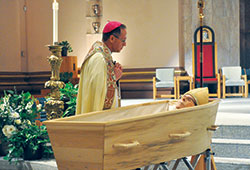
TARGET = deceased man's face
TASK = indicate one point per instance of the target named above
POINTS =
(186, 101)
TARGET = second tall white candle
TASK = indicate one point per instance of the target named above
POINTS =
(55, 7)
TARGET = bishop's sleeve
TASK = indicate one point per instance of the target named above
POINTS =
(92, 85)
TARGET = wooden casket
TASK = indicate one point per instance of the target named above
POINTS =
(130, 137)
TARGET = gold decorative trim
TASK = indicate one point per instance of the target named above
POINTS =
(207, 35)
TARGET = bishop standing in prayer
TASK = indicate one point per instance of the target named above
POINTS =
(99, 73)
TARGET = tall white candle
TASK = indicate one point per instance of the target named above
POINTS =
(55, 7)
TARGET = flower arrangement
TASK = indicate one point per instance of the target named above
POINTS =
(16, 112)
(29, 143)
(17, 123)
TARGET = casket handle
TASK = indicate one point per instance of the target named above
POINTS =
(179, 135)
(213, 128)
(126, 145)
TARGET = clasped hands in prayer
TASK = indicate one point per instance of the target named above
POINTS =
(118, 71)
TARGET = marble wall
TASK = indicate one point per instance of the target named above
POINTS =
(223, 17)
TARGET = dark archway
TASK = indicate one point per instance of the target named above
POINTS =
(245, 33)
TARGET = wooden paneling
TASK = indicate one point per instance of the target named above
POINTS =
(138, 83)
(135, 82)
(22, 81)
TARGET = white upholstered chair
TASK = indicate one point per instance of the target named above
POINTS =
(164, 79)
(232, 77)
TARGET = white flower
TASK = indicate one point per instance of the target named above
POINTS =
(39, 107)
(29, 122)
(6, 99)
(29, 105)
(15, 114)
(18, 121)
(8, 129)
(2, 107)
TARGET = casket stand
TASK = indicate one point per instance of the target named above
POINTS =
(129, 137)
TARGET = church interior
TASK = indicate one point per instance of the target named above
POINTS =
(162, 35)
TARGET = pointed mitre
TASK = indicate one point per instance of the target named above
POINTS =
(200, 95)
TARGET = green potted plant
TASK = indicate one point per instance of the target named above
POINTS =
(69, 63)
(29, 143)
(66, 76)
(66, 48)
(69, 94)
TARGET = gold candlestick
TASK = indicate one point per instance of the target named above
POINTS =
(201, 6)
(54, 107)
